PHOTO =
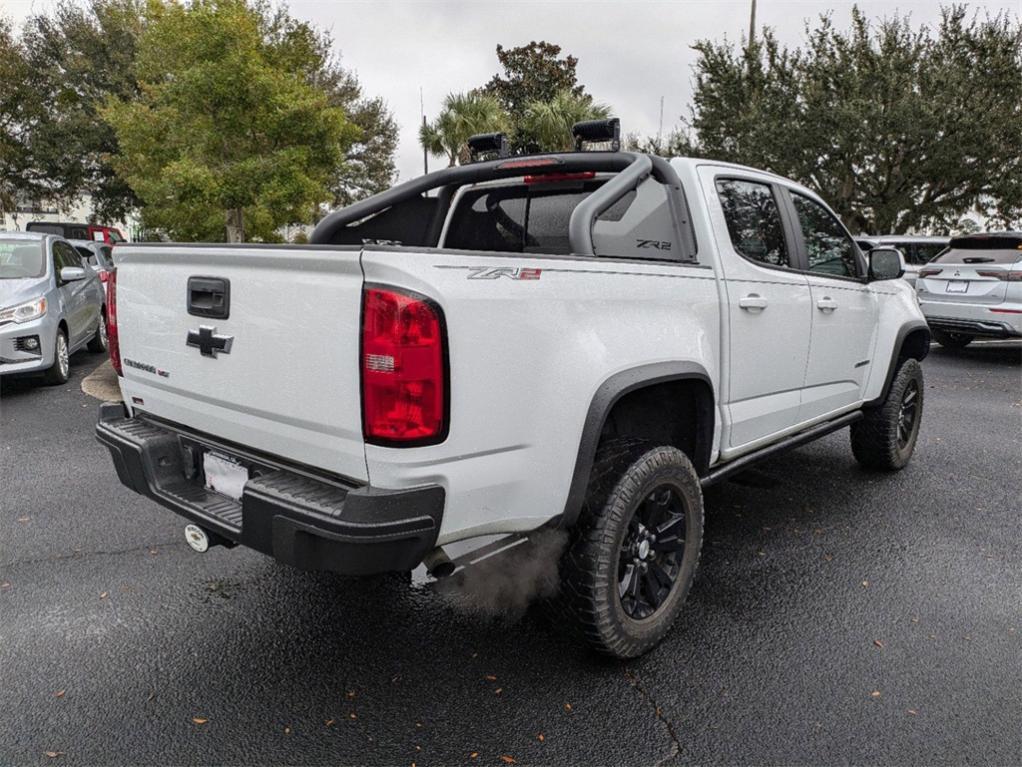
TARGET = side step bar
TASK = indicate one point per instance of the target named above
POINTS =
(795, 440)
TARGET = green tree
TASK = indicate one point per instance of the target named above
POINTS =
(14, 75)
(228, 137)
(531, 73)
(463, 115)
(900, 129)
(79, 56)
(549, 123)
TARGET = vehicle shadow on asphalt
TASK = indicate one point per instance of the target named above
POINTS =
(83, 362)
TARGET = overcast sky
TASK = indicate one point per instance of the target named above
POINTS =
(630, 53)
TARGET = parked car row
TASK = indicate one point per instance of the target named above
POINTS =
(52, 303)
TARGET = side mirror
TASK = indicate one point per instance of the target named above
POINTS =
(885, 264)
(72, 273)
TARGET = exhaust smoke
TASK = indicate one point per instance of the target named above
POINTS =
(504, 585)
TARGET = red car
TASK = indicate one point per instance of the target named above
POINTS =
(94, 232)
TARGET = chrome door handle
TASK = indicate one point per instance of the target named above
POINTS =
(826, 304)
(753, 302)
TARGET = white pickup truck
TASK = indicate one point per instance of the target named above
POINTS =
(579, 340)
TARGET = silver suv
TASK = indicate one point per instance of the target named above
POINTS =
(974, 289)
(51, 305)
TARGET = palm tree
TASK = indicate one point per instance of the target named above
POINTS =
(548, 123)
(463, 116)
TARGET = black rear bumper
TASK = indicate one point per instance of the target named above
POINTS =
(984, 328)
(308, 521)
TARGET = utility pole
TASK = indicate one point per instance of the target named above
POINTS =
(660, 127)
(425, 153)
(752, 25)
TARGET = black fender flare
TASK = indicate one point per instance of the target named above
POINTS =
(606, 396)
(896, 354)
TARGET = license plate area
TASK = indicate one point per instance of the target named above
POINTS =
(224, 475)
(958, 286)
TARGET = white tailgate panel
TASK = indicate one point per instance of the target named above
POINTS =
(290, 384)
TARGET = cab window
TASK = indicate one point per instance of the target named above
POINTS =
(753, 221)
(829, 248)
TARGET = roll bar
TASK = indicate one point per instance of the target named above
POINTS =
(631, 168)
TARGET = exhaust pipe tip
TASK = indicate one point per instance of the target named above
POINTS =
(197, 538)
(438, 564)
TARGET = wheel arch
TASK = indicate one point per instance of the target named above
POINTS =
(912, 341)
(684, 385)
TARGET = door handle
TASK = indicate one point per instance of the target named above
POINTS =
(826, 304)
(753, 302)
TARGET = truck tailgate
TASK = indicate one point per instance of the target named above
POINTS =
(288, 382)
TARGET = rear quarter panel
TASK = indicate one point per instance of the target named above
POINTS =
(526, 358)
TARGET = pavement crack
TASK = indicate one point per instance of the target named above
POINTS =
(86, 555)
(636, 683)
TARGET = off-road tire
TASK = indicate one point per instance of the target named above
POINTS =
(876, 442)
(57, 374)
(952, 340)
(624, 474)
(98, 343)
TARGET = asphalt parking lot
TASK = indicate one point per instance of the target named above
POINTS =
(838, 617)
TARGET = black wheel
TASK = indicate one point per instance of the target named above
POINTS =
(886, 437)
(98, 342)
(635, 548)
(952, 340)
(60, 371)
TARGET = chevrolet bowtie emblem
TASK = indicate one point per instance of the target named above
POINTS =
(209, 344)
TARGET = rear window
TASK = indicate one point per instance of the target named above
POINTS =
(515, 219)
(996, 248)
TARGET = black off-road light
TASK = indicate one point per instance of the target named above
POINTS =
(597, 131)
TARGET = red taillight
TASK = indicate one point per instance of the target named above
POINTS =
(1003, 276)
(929, 272)
(404, 381)
(550, 178)
(529, 162)
(104, 276)
(112, 339)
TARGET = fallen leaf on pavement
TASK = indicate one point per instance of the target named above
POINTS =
(350, 694)
(200, 720)
(490, 678)
(498, 691)
(5, 585)
(913, 712)
(567, 707)
(58, 694)
(507, 759)
(103, 595)
(24, 519)
(540, 738)
(352, 715)
(875, 694)
(329, 722)
(865, 584)
(473, 755)
(878, 643)
(287, 730)
(53, 754)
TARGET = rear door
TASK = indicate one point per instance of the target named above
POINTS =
(844, 310)
(768, 305)
(256, 345)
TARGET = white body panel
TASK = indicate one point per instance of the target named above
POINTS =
(526, 359)
(290, 384)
